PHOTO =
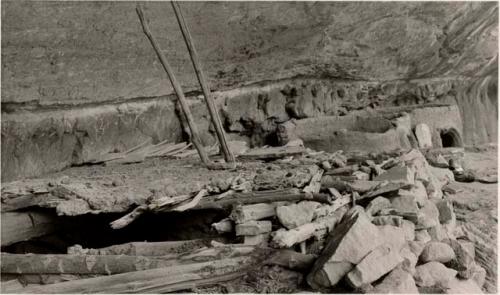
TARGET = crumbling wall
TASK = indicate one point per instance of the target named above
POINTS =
(80, 79)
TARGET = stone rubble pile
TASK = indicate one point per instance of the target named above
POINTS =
(388, 229)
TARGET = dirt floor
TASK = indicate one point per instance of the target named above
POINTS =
(476, 205)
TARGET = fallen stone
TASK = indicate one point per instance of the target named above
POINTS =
(445, 208)
(253, 228)
(377, 204)
(393, 235)
(405, 204)
(463, 261)
(437, 251)
(399, 174)
(388, 220)
(377, 263)
(476, 273)
(424, 136)
(422, 236)
(409, 259)
(295, 215)
(456, 286)
(437, 233)
(326, 165)
(416, 247)
(242, 214)
(433, 273)
(257, 240)
(347, 243)
(223, 226)
(409, 229)
(417, 191)
(360, 175)
(443, 175)
(428, 216)
(332, 272)
(397, 281)
(413, 217)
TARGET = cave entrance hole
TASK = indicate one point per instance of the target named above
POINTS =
(450, 138)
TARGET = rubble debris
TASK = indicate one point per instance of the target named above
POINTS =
(387, 235)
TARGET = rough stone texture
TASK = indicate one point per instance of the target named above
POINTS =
(422, 235)
(295, 215)
(456, 286)
(306, 59)
(409, 229)
(437, 251)
(393, 235)
(405, 204)
(388, 220)
(377, 263)
(253, 228)
(428, 215)
(424, 136)
(410, 259)
(463, 261)
(444, 175)
(433, 273)
(398, 174)
(446, 213)
(376, 205)
(417, 191)
(355, 229)
(397, 281)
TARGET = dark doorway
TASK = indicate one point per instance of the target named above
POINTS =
(450, 138)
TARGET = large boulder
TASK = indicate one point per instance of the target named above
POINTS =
(397, 281)
(347, 245)
(295, 215)
(433, 273)
(377, 263)
(437, 251)
(424, 136)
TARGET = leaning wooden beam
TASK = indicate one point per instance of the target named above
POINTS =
(219, 130)
(146, 248)
(195, 138)
(167, 279)
(113, 264)
(226, 203)
(22, 226)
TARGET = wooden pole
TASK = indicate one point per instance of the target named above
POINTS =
(214, 115)
(195, 139)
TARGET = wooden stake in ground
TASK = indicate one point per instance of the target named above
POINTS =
(195, 138)
(214, 115)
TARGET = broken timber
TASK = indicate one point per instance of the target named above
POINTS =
(21, 226)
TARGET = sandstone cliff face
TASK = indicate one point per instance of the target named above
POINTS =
(62, 61)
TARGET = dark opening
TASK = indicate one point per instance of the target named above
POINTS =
(450, 138)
